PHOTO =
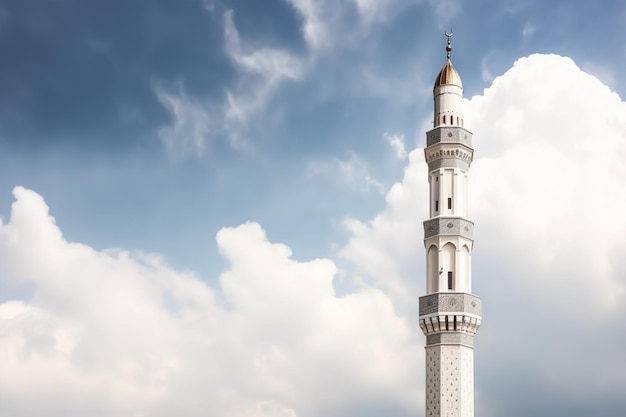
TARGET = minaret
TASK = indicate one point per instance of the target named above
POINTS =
(449, 314)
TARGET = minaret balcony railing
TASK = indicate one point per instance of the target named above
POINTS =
(447, 323)
(446, 313)
(450, 302)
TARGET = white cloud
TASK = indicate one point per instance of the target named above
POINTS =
(271, 64)
(209, 5)
(528, 30)
(325, 23)
(194, 122)
(113, 333)
(385, 248)
(397, 144)
(314, 24)
(605, 73)
(372, 11)
(350, 172)
(547, 195)
(197, 121)
(541, 181)
(446, 10)
(262, 71)
(543, 178)
(485, 73)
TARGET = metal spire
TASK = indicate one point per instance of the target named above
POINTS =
(449, 47)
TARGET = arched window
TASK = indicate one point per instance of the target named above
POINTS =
(433, 269)
(444, 119)
(447, 266)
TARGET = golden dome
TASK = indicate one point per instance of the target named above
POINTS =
(448, 74)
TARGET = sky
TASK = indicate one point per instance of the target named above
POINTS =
(215, 207)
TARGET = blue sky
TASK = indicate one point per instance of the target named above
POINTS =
(81, 119)
(149, 126)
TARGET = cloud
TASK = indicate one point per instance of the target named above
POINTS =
(604, 73)
(314, 24)
(528, 30)
(485, 73)
(325, 22)
(271, 64)
(115, 333)
(446, 10)
(264, 70)
(397, 144)
(384, 248)
(198, 121)
(542, 179)
(194, 122)
(118, 333)
(377, 11)
(350, 172)
(539, 182)
(244, 108)
(546, 187)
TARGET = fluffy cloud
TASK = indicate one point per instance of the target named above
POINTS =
(547, 195)
(548, 166)
(549, 172)
(113, 333)
(110, 332)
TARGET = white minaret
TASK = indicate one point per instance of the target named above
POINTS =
(449, 314)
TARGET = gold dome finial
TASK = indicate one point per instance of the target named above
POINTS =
(448, 74)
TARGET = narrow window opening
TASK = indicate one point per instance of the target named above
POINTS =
(444, 120)
(458, 122)
(450, 280)
(436, 205)
(437, 179)
(449, 204)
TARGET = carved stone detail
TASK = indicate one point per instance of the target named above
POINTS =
(449, 323)
(448, 163)
(449, 134)
(449, 151)
(448, 226)
(450, 302)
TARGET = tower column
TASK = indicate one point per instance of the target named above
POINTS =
(449, 314)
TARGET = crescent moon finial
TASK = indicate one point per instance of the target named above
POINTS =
(449, 47)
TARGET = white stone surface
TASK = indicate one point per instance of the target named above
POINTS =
(449, 242)
(449, 381)
(448, 254)
(448, 104)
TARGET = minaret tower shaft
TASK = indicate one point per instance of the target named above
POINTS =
(449, 314)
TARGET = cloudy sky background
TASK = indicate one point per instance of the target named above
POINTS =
(215, 207)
